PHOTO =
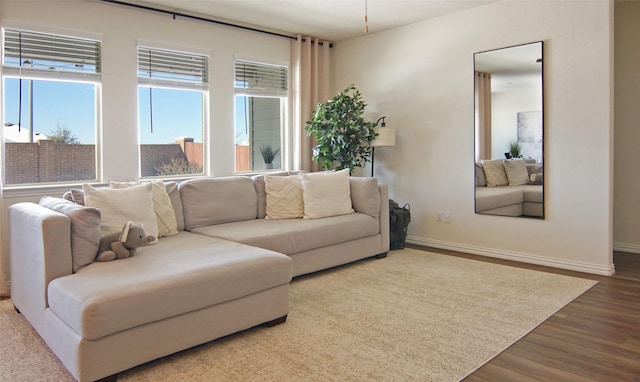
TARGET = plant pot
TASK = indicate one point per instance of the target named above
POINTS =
(268, 166)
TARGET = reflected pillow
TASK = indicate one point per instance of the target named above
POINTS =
(495, 173)
(516, 170)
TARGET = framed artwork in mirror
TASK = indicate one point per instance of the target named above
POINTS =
(509, 131)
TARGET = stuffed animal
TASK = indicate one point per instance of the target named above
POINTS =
(123, 244)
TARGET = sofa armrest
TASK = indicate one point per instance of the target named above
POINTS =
(384, 217)
(40, 251)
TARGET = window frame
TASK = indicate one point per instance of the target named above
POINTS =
(282, 93)
(29, 73)
(176, 84)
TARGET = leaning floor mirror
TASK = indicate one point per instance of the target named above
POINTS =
(509, 131)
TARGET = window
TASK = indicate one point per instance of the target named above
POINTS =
(260, 107)
(51, 85)
(172, 90)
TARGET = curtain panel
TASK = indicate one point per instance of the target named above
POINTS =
(483, 115)
(311, 60)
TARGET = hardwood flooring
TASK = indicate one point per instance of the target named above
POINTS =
(594, 338)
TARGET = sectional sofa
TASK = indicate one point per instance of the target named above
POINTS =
(227, 250)
(509, 187)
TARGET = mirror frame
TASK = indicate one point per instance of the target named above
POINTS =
(510, 68)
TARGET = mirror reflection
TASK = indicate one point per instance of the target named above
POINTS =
(509, 131)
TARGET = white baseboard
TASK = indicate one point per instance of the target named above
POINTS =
(515, 256)
(626, 247)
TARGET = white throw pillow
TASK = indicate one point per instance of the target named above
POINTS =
(495, 173)
(119, 206)
(162, 206)
(516, 170)
(326, 194)
(284, 197)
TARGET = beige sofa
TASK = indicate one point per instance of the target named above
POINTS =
(227, 269)
(509, 188)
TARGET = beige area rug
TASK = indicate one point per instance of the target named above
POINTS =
(414, 316)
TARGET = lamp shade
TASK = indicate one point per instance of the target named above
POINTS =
(386, 137)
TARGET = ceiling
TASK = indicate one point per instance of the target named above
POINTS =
(333, 20)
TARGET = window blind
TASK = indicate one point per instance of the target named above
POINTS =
(30, 53)
(165, 67)
(254, 78)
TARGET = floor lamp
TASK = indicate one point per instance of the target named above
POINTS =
(386, 138)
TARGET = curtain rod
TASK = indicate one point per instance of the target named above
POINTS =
(174, 14)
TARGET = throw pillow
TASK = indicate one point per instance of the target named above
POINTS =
(494, 172)
(119, 206)
(516, 170)
(85, 229)
(326, 194)
(284, 197)
(162, 206)
(365, 195)
(481, 180)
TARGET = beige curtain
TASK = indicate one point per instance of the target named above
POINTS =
(483, 115)
(310, 77)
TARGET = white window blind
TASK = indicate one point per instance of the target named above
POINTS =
(171, 68)
(255, 78)
(45, 55)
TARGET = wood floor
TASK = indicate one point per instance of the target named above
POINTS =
(594, 338)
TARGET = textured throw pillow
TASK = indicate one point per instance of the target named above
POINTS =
(326, 194)
(119, 206)
(284, 197)
(162, 206)
(495, 173)
(85, 229)
(516, 170)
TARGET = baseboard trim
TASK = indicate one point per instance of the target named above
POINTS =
(626, 247)
(515, 256)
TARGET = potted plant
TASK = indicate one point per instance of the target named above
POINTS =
(268, 155)
(515, 149)
(343, 138)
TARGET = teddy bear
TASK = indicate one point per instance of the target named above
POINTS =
(120, 245)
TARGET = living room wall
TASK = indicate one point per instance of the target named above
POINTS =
(121, 29)
(626, 201)
(421, 78)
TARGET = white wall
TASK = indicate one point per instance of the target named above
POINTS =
(505, 107)
(626, 209)
(421, 77)
(122, 27)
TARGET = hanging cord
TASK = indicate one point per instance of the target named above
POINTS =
(20, 83)
(366, 17)
(150, 95)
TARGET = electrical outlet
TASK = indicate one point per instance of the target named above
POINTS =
(439, 217)
(447, 217)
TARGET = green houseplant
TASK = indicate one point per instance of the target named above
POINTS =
(343, 138)
(515, 149)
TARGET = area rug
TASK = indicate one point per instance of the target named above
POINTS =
(413, 316)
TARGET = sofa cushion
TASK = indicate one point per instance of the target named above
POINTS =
(495, 173)
(85, 229)
(488, 198)
(290, 236)
(190, 271)
(365, 195)
(531, 193)
(481, 179)
(516, 170)
(119, 206)
(326, 194)
(162, 207)
(283, 197)
(207, 201)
